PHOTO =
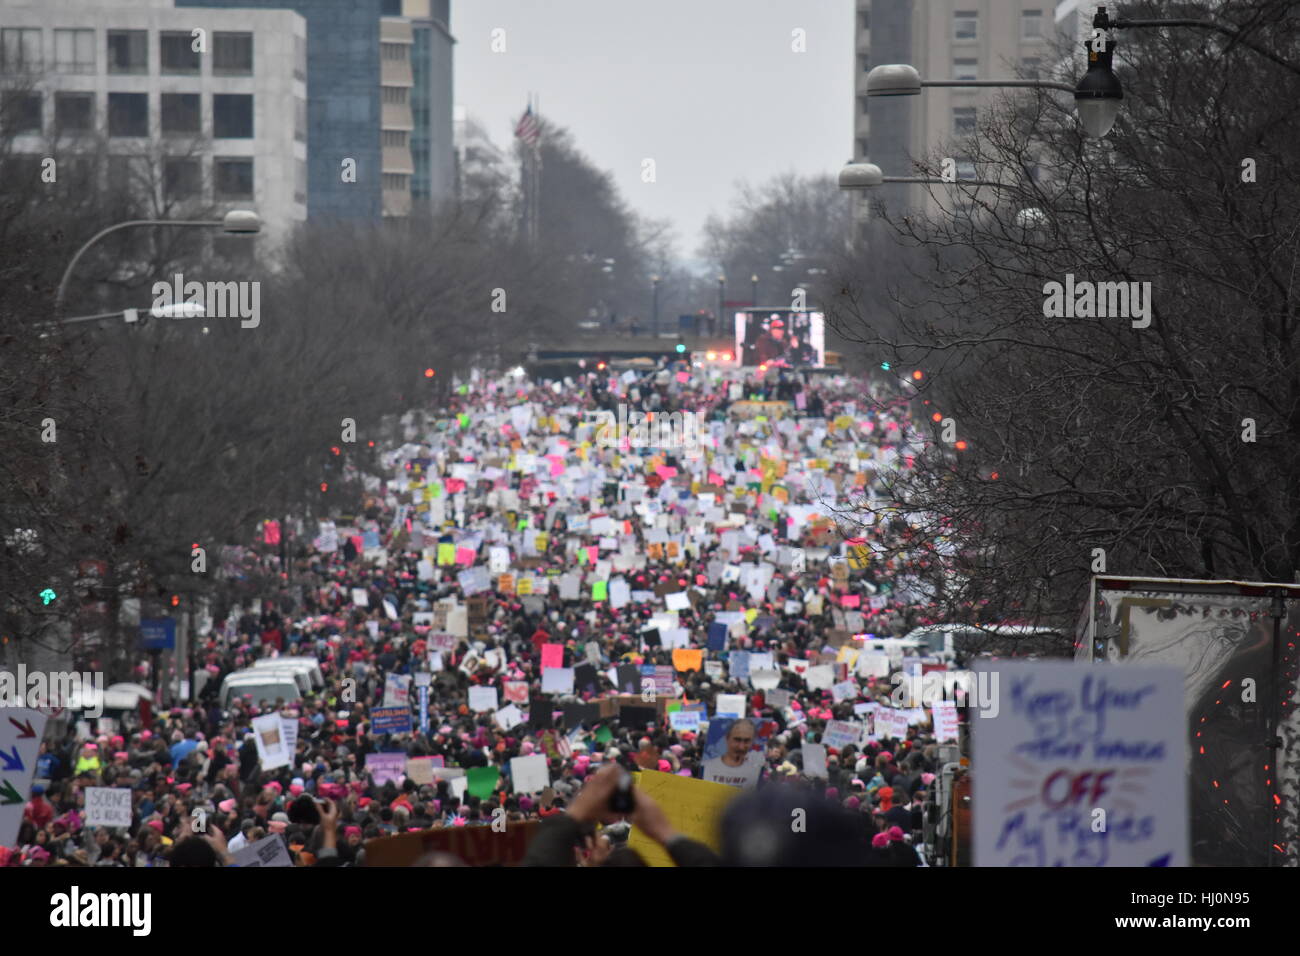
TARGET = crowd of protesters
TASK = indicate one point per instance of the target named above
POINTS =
(200, 794)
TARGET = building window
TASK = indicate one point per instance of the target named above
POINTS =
(74, 112)
(128, 51)
(300, 120)
(181, 113)
(177, 54)
(127, 174)
(232, 116)
(965, 168)
(864, 63)
(20, 112)
(74, 51)
(233, 178)
(300, 58)
(1029, 66)
(862, 149)
(864, 21)
(182, 178)
(300, 181)
(232, 54)
(20, 50)
(395, 137)
(1031, 24)
(396, 182)
(128, 114)
(396, 95)
(394, 51)
(965, 24)
(965, 68)
(963, 120)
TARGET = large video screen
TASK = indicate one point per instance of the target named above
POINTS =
(781, 337)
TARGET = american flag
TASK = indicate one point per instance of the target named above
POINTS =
(527, 128)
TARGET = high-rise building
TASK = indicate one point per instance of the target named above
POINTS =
(942, 39)
(221, 127)
(419, 160)
(356, 98)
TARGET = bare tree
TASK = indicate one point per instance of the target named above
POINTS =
(1098, 441)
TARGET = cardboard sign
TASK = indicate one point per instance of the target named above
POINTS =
(268, 851)
(268, 735)
(1057, 743)
(529, 774)
(693, 807)
(482, 698)
(108, 806)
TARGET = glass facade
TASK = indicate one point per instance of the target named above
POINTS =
(420, 182)
(343, 107)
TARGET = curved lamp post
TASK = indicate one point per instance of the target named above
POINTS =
(237, 221)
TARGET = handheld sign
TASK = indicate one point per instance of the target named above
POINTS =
(1079, 766)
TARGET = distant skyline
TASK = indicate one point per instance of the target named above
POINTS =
(711, 91)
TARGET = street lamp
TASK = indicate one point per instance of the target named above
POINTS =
(753, 289)
(654, 284)
(235, 222)
(1101, 97)
(868, 175)
(1098, 94)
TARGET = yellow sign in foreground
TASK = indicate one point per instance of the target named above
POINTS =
(693, 807)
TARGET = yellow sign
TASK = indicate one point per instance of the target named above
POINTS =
(693, 807)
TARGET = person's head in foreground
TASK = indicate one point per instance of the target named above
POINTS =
(791, 825)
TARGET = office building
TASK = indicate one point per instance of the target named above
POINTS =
(942, 39)
(225, 128)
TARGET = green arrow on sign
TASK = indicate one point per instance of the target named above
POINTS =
(9, 794)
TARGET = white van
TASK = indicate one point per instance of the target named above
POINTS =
(263, 684)
(307, 665)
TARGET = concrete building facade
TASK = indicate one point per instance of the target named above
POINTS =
(224, 128)
(943, 39)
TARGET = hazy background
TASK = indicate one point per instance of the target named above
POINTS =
(710, 90)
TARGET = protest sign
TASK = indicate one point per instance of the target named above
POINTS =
(509, 717)
(732, 705)
(557, 680)
(108, 806)
(390, 720)
(482, 698)
(1080, 766)
(419, 770)
(820, 677)
(384, 767)
(529, 774)
(945, 720)
(693, 807)
(842, 733)
(268, 736)
(814, 761)
(844, 690)
(397, 690)
(890, 724)
(268, 851)
(516, 692)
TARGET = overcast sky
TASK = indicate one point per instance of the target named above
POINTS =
(709, 89)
